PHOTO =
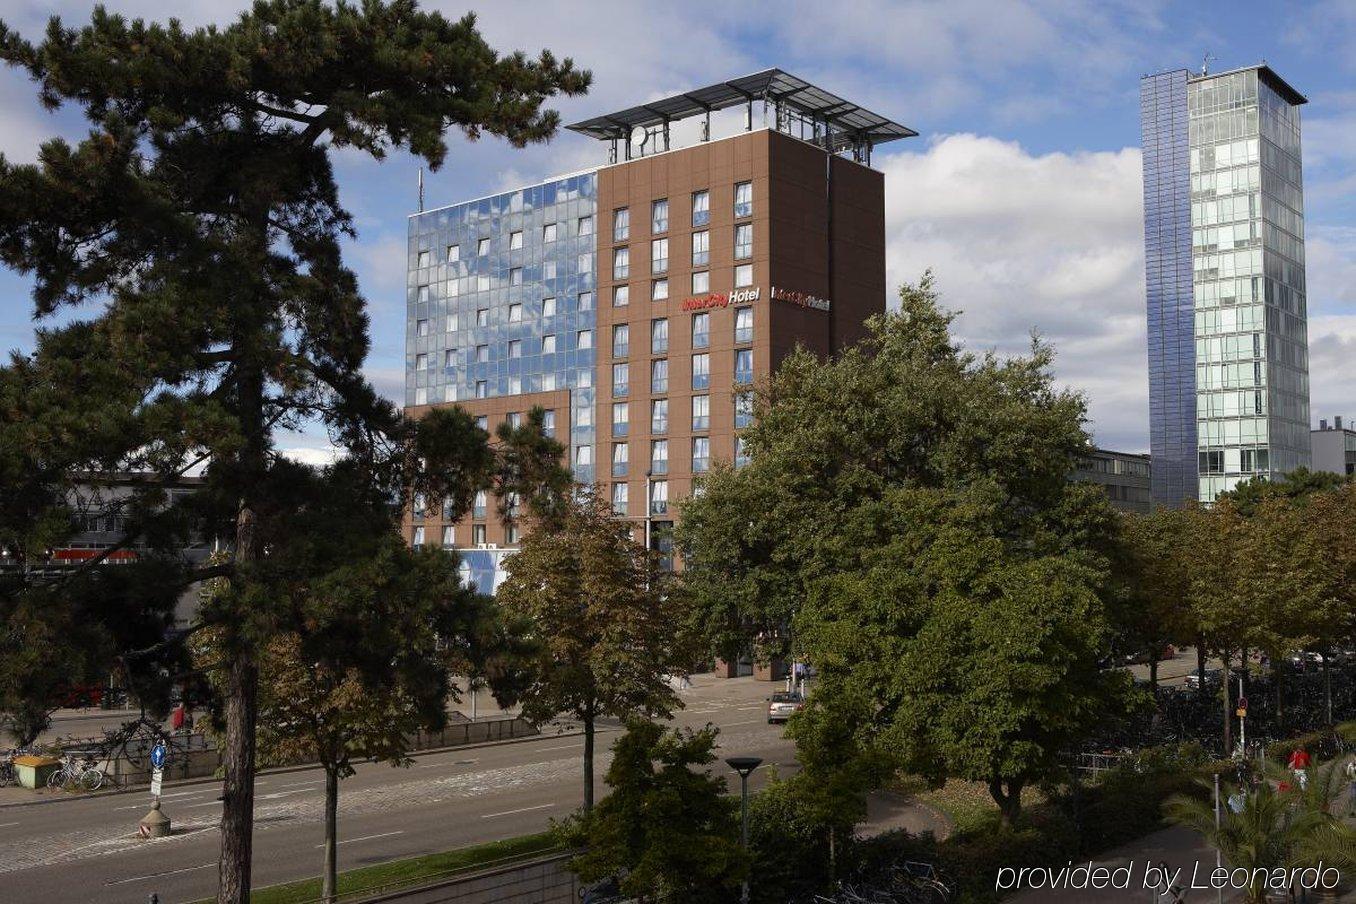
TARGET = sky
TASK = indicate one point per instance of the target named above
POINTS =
(1022, 192)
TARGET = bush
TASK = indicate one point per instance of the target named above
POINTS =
(1311, 741)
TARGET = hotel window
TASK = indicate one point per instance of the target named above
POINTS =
(449, 514)
(621, 296)
(619, 498)
(659, 336)
(659, 456)
(701, 208)
(478, 506)
(701, 371)
(548, 232)
(621, 459)
(621, 340)
(701, 454)
(421, 396)
(483, 247)
(548, 423)
(743, 407)
(419, 536)
(585, 302)
(621, 263)
(511, 534)
(515, 385)
(621, 380)
(482, 283)
(482, 390)
(478, 534)
(421, 361)
(583, 339)
(548, 344)
(583, 456)
(483, 317)
(741, 452)
(701, 248)
(743, 241)
(515, 276)
(425, 258)
(584, 263)
(451, 323)
(621, 224)
(423, 295)
(701, 283)
(419, 507)
(515, 313)
(515, 241)
(452, 288)
(449, 536)
(453, 253)
(548, 382)
(659, 216)
(584, 416)
(483, 423)
(659, 376)
(621, 418)
(701, 330)
(701, 412)
(515, 348)
(421, 328)
(482, 354)
(548, 270)
(585, 226)
(743, 371)
(659, 416)
(450, 358)
(514, 420)
(743, 202)
(584, 378)
(743, 276)
(743, 325)
(659, 494)
(548, 307)
(659, 256)
(659, 290)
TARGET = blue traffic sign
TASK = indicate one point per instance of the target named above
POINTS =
(158, 755)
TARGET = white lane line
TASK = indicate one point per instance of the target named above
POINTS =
(745, 722)
(169, 872)
(210, 803)
(6, 825)
(316, 781)
(511, 812)
(561, 747)
(442, 765)
(367, 837)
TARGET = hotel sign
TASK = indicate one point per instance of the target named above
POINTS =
(745, 296)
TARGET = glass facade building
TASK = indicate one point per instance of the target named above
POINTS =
(1225, 293)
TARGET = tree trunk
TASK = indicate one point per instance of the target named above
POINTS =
(329, 880)
(1327, 687)
(1228, 711)
(1009, 801)
(1153, 671)
(237, 792)
(1200, 661)
(1277, 678)
(588, 763)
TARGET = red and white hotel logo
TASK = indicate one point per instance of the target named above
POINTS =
(744, 296)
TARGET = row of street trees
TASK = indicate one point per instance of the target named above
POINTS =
(194, 307)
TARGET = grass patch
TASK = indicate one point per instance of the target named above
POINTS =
(411, 870)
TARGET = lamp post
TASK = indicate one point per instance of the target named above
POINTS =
(649, 507)
(744, 765)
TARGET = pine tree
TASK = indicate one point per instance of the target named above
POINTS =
(195, 232)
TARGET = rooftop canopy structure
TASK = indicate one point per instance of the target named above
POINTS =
(798, 108)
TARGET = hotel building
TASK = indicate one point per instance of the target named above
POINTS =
(639, 303)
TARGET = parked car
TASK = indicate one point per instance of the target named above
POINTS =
(1193, 680)
(783, 705)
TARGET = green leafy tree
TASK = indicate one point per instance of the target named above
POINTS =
(1295, 485)
(604, 622)
(195, 232)
(1154, 567)
(908, 507)
(667, 827)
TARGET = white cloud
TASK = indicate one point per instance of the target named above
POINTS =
(1049, 243)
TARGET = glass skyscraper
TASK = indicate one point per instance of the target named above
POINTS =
(1224, 258)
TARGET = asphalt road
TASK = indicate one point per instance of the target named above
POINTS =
(86, 849)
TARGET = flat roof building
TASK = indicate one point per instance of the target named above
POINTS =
(1125, 476)
(1224, 258)
(639, 303)
(1334, 447)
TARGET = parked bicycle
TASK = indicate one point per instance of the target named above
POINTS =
(8, 774)
(77, 773)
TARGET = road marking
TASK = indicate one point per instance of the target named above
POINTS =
(168, 872)
(367, 837)
(6, 825)
(210, 803)
(511, 812)
(441, 765)
(745, 722)
(315, 781)
(561, 747)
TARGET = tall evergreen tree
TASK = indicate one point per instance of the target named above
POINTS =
(195, 235)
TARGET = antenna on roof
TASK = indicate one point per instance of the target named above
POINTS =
(1205, 63)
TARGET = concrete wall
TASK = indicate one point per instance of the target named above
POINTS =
(542, 881)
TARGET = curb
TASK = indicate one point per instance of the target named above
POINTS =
(278, 770)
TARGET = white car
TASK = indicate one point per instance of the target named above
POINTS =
(783, 705)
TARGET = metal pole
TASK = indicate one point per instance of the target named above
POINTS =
(1220, 891)
(744, 829)
(1242, 719)
(649, 488)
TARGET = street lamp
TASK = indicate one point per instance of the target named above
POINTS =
(649, 510)
(744, 765)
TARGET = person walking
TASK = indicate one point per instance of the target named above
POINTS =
(1349, 770)
(1299, 764)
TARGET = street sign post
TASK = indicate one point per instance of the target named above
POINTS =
(157, 776)
(158, 755)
